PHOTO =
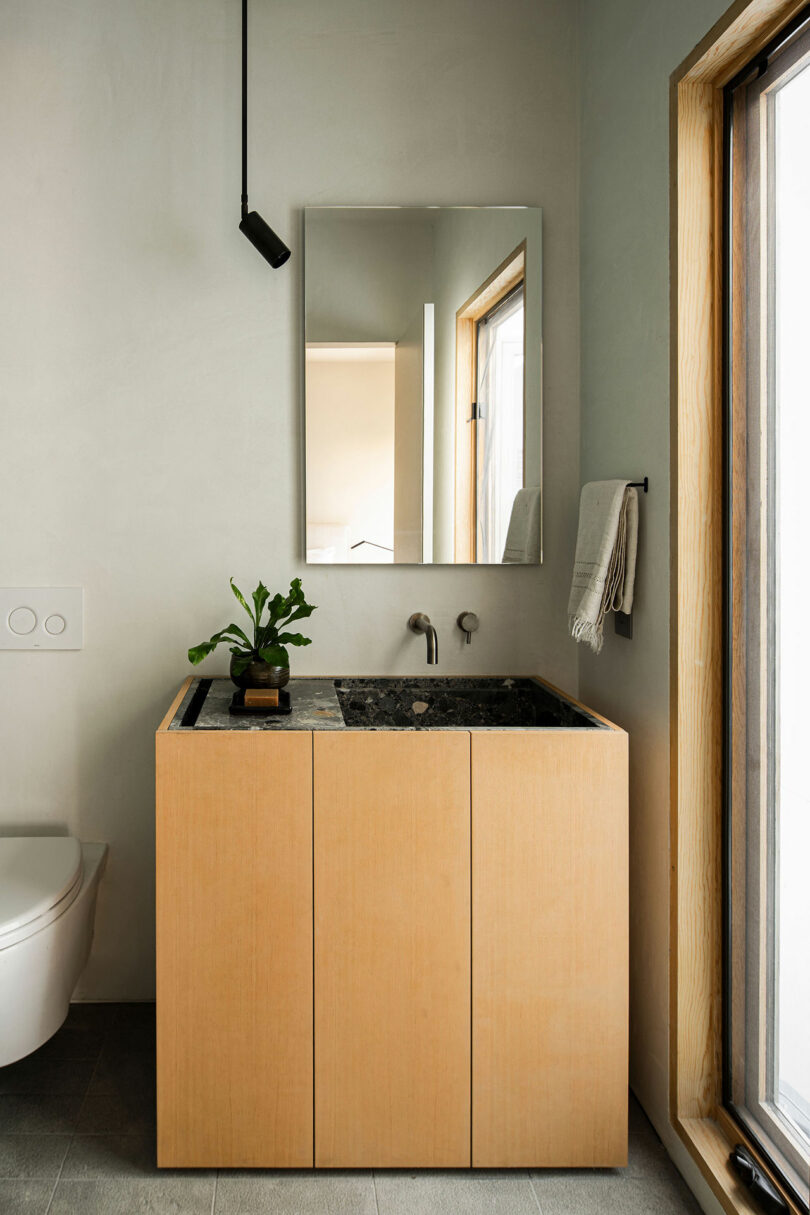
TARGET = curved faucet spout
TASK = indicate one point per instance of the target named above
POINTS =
(420, 623)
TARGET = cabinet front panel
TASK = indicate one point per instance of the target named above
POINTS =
(234, 949)
(550, 968)
(392, 950)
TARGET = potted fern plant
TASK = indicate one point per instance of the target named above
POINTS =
(261, 660)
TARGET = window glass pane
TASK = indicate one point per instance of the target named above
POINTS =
(499, 427)
(768, 864)
(791, 140)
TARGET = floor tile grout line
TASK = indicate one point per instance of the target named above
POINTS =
(104, 1038)
(79, 1114)
(59, 1174)
(534, 1192)
(78, 1119)
(214, 1195)
(374, 1184)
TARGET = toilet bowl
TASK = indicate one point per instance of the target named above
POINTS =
(48, 887)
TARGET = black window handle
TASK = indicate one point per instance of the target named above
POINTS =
(761, 1186)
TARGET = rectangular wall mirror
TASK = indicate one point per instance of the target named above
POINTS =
(423, 345)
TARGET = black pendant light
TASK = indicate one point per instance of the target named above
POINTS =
(260, 234)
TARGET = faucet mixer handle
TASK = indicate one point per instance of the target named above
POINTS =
(468, 622)
(419, 622)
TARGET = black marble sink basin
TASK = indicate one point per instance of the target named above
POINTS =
(425, 703)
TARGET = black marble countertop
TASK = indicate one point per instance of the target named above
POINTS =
(396, 703)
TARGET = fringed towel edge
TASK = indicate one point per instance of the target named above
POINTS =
(589, 631)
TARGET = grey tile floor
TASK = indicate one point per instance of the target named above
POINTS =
(77, 1137)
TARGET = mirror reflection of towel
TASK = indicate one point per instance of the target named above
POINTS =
(523, 534)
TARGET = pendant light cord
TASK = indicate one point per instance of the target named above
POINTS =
(259, 233)
(244, 109)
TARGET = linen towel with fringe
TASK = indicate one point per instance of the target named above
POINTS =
(605, 560)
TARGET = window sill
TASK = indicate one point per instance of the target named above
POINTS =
(709, 1142)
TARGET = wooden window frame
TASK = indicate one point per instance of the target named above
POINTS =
(696, 654)
(503, 279)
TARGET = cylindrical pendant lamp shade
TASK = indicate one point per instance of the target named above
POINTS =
(263, 238)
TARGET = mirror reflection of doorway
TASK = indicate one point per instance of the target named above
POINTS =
(350, 443)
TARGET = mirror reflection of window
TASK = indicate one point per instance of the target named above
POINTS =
(498, 422)
(490, 411)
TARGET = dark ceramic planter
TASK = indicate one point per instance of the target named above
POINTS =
(261, 675)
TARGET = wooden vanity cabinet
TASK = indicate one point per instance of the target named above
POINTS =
(234, 949)
(392, 949)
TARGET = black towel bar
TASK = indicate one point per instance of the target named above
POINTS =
(645, 484)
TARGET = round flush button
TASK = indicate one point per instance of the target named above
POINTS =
(55, 624)
(22, 621)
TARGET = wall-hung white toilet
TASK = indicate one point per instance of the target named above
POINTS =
(48, 887)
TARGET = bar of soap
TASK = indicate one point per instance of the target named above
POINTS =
(261, 698)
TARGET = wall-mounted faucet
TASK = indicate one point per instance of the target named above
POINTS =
(420, 623)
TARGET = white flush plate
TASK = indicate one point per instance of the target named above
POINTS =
(41, 618)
